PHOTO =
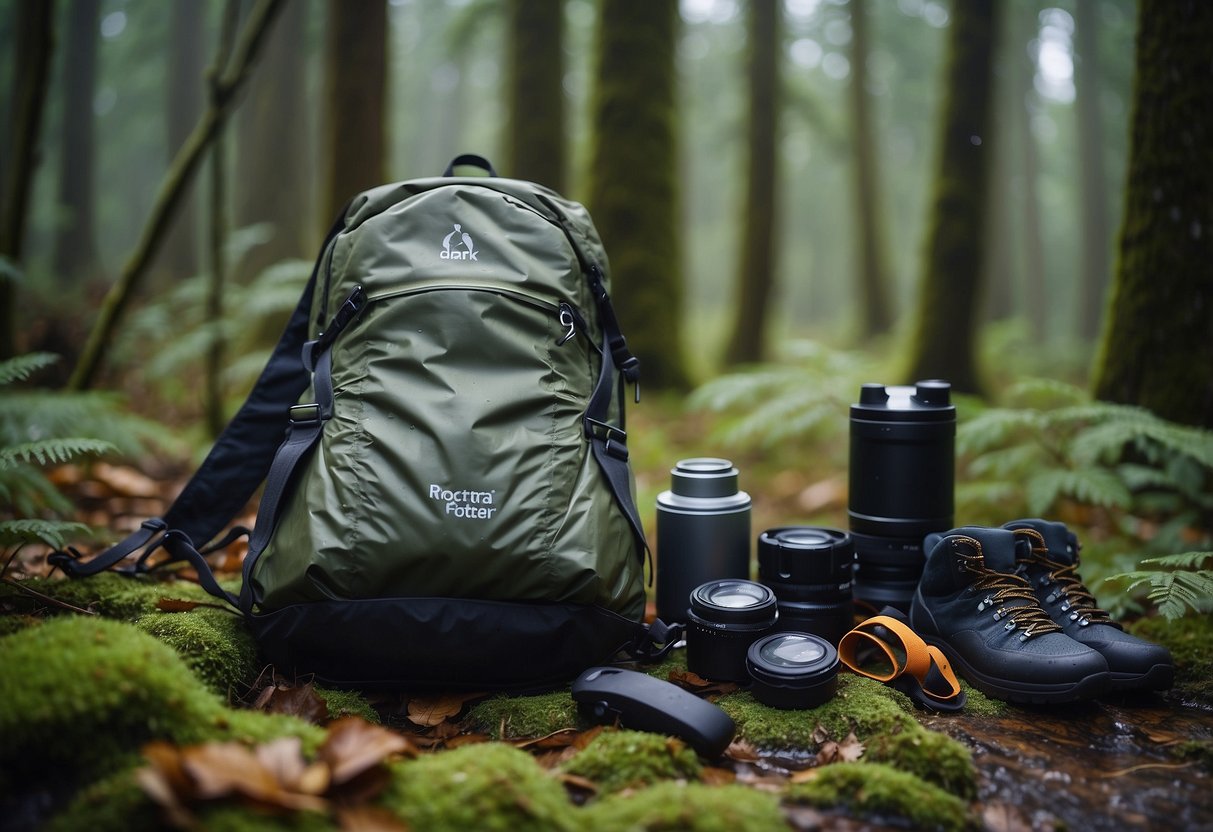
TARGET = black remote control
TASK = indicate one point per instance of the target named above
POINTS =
(645, 703)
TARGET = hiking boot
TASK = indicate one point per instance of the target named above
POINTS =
(990, 625)
(1048, 559)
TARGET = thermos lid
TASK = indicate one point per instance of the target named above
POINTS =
(805, 555)
(703, 476)
(926, 401)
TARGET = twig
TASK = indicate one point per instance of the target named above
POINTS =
(54, 602)
(1131, 769)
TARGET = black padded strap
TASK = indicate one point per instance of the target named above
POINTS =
(470, 160)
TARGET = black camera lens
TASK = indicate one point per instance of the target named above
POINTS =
(725, 618)
(810, 569)
(902, 476)
(793, 670)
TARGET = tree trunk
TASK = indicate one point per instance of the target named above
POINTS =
(1094, 266)
(536, 138)
(186, 82)
(355, 97)
(172, 189)
(944, 338)
(32, 56)
(75, 245)
(633, 192)
(1157, 348)
(273, 169)
(875, 316)
(1027, 104)
(755, 276)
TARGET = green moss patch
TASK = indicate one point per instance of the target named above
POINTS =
(215, 644)
(689, 808)
(119, 596)
(347, 703)
(486, 787)
(862, 704)
(880, 789)
(933, 757)
(83, 693)
(1190, 640)
(618, 760)
(523, 717)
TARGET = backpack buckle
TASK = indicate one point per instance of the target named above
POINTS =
(616, 438)
(302, 414)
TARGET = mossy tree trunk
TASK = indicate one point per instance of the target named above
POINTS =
(33, 36)
(943, 343)
(875, 315)
(355, 130)
(536, 139)
(273, 166)
(1157, 348)
(755, 275)
(1094, 266)
(634, 179)
(1027, 104)
(75, 245)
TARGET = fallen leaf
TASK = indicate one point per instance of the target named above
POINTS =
(717, 776)
(741, 751)
(820, 735)
(354, 745)
(369, 819)
(295, 700)
(850, 749)
(428, 711)
(697, 684)
(125, 481)
(220, 769)
(804, 775)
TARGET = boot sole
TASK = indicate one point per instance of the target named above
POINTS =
(1015, 690)
(1159, 677)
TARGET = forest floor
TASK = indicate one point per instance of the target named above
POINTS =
(104, 727)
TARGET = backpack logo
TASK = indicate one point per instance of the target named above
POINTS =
(466, 505)
(468, 252)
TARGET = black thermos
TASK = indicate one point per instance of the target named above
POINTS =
(901, 488)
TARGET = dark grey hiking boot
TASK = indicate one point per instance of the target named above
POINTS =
(986, 619)
(1048, 558)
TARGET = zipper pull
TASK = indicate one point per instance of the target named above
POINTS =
(568, 319)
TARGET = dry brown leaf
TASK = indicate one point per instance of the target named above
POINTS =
(699, 685)
(741, 751)
(820, 735)
(125, 481)
(295, 700)
(804, 775)
(850, 749)
(355, 745)
(428, 711)
(369, 819)
(717, 776)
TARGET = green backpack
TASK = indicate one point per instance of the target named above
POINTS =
(452, 504)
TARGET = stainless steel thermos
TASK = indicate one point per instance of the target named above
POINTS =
(703, 532)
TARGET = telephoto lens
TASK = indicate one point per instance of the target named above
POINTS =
(793, 670)
(703, 532)
(902, 475)
(725, 619)
(810, 570)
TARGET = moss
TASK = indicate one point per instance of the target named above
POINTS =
(618, 760)
(347, 703)
(516, 717)
(863, 704)
(978, 704)
(237, 818)
(119, 596)
(688, 808)
(83, 694)
(215, 644)
(880, 789)
(1190, 640)
(10, 624)
(488, 787)
(115, 804)
(934, 757)
(1200, 751)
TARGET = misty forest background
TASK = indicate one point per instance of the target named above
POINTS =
(796, 197)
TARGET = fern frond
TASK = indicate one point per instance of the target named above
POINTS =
(1015, 460)
(22, 367)
(993, 428)
(1184, 560)
(52, 451)
(54, 533)
(1107, 440)
(1093, 486)
(1045, 394)
(33, 415)
(28, 492)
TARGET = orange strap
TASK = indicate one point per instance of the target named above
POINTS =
(942, 687)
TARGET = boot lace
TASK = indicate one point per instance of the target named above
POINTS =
(1067, 589)
(1000, 589)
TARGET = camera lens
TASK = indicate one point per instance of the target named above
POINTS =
(810, 569)
(901, 485)
(793, 670)
(724, 619)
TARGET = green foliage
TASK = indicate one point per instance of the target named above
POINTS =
(172, 334)
(692, 807)
(215, 644)
(804, 397)
(1177, 584)
(518, 717)
(1052, 448)
(40, 428)
(880, 789)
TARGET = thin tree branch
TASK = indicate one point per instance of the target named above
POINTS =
(172, 190)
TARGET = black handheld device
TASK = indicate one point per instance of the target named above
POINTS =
(645, 703)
